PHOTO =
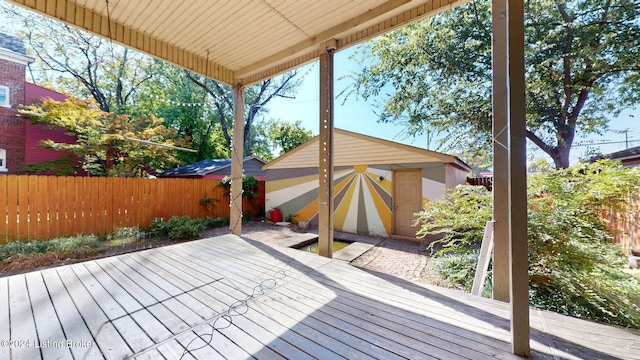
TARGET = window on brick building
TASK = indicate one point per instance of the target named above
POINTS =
(4, 96)
(3, 160)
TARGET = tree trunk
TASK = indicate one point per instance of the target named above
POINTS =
(560, 156)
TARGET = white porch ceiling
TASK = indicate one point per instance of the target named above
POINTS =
(241, 41)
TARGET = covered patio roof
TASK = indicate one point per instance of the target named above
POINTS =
(238, 41)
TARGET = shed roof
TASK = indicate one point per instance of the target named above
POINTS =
(627, 154)
(204, 167)
(351, 148)
(214, 38)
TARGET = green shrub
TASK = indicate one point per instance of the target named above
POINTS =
(133, 232)
(249, 186)
(177, 227)
(459, 219)
(81, 245)
(459, 270)
(574, 268)
(211, 223)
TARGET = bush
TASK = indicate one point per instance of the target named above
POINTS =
(249, 186)
(459, 219)
(133, 232)
(177, 227)
(80, 245)
(211, 223)
(459, 270)
(574, 269)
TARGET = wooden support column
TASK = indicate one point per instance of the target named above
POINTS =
(509, 46)
(519, 245)
(237, 155)
(325, 168)
(500, 154)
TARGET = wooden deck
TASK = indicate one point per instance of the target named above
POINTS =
(229, 298)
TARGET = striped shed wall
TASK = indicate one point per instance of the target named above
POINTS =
(363, 181)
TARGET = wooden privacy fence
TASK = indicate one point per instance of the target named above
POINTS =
(626, 225)
(46, 207)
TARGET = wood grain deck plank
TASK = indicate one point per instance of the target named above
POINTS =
(199, 349)
(5, 327)
(172, 349)
(109, 306)
(133, 334)
(172, 322)
(112, 345)
(150, 276)
(177, 276)
(307, 343)
(23, 327)
(231, 276)
(444, 353)
(262, 328)
(154, 328)
(392, 313)
(126, 301)
(135, 277)
(432, 340)
(47, 324)
(70, 319)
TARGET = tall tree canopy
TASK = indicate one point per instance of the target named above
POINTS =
(582, 67)
(106, 144)
(83, 65)
(256, 99)
(123, 81)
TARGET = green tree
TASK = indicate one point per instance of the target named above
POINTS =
(185, 107)
(574, 268)
(287, 136)
(255, 101)
(72, 61)
(107, 144)
(582, 66)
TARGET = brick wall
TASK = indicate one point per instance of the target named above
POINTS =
(12, 133)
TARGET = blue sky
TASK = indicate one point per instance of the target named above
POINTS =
(355, 115)
(359, 116)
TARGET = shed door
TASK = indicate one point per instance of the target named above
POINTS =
(407, 198)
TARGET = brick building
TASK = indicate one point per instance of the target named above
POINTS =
(18, 138)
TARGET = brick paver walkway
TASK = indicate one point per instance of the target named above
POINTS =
(401, 258)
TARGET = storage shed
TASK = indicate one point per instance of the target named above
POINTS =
(378, 184)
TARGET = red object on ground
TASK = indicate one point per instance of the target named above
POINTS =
(275, 215)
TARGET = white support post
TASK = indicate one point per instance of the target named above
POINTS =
(325, 169)
(237, 155)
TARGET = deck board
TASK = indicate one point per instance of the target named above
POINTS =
(4, 318)
(70, 319)
(23, 333)
(230, 298)
(44, 314)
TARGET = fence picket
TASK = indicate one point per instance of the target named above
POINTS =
(53, 217)
(12, 207)
(3, 209)
(23, 205)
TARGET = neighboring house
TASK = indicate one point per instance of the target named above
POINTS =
(378, 184)
(18, 138)
(217, 169)
(629, 157)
